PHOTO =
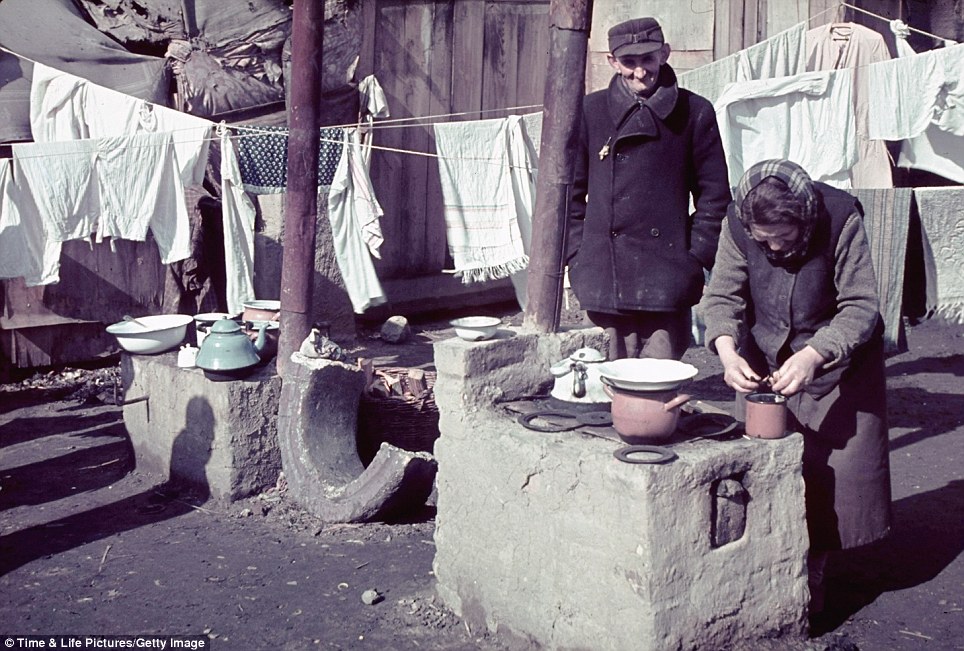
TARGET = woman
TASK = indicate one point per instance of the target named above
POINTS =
(793, 299)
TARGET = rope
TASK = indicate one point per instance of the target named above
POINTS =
(887, 20)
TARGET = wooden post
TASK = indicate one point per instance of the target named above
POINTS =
(569, 24)
(301, 199)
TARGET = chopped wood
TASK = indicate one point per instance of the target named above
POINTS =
(415, 382)
(394, 385)
(381, 390)
(368, 368)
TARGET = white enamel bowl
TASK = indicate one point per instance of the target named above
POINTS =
(646, 374)
(147, 335)
(476, 328)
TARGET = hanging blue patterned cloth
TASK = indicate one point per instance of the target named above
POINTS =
(263, 157)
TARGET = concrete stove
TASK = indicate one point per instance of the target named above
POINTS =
(548, 538)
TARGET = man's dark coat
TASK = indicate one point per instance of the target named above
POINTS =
(632, 244)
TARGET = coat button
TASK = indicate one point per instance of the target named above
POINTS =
(620, 157)
(654, 232)
(614, 233)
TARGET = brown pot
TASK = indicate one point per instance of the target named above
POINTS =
(261, 311)
(766, 415)
(645, 417)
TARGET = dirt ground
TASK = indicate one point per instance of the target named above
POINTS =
(90, 545)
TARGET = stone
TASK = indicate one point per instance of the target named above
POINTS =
(396, 330)
(371, 597)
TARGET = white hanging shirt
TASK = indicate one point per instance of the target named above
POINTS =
(807, 119)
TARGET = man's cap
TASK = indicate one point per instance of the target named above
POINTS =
(636, 36)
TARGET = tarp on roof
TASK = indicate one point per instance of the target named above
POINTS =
(226, 56)
(55, 33)
(14, 98)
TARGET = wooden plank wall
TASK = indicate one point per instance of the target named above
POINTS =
(468, 57)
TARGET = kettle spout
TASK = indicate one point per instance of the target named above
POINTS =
(259, 343)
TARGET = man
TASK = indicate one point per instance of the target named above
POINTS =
(646, 147)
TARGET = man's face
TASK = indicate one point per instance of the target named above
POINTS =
(641, 70)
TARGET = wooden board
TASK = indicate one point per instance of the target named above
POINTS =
(470, 58)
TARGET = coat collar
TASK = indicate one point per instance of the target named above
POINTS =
(623, 102)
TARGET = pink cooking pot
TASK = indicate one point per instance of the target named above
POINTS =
(645, 417)
(766, 415)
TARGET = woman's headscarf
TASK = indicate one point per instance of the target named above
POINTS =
(800, 184)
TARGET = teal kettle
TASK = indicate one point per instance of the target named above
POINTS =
(228, 353)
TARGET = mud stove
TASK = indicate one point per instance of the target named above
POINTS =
(548, 537)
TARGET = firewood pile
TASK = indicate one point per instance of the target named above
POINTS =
(397, 407)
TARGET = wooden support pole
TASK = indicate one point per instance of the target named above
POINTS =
(301, 199)
(565, 86)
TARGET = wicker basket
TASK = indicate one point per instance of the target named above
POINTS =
(407, 421)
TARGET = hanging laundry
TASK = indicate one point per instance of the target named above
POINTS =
(24, 250)
(911, 87)
(238, 215)
(85, 187)
(886, 221)
(928, 114)
(848, 45)
(943, 229)
(98, 112)
(781, 55)
(524, 133)
(60, 178)
(373, 103)
(263, 157)
(354, 212)
(807, 118)
(56, 102)
(481, 221)
(110, 113)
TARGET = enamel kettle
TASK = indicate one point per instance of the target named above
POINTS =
(227, 351)
(577, 378)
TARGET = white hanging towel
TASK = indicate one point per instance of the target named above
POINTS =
(108, 187)
(481, 223)
(238, 222)
(25, 251)
(943, 228)
(354, 212)
(807, 118)
(524, 135)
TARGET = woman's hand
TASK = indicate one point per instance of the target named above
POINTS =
(737, 373)
(797, 372)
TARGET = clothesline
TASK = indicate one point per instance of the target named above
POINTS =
(888, 20)
(488, 161)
